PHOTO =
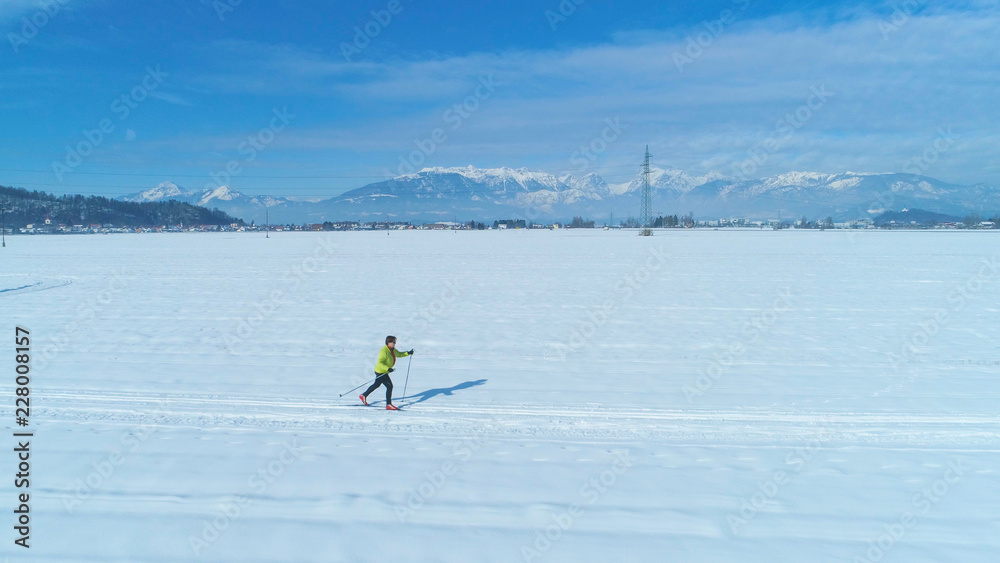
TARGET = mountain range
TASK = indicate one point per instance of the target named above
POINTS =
(446, 194)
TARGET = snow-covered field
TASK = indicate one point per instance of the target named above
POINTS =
(575, 396)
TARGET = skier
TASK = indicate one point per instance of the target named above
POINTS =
(386, 359)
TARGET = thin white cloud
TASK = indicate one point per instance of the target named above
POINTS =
(169, 98)
(892, 89)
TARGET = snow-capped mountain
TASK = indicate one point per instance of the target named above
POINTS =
(465, 193)
(591, 184)
(668, 179)
(163, 191)
(221, 193)
(852, 195)
(501, 192)
(248, 208)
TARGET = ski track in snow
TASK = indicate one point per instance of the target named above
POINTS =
(40, 285)
(578, 423)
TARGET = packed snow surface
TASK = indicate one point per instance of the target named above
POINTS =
(734, 396)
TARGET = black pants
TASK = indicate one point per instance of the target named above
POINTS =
(382, 379)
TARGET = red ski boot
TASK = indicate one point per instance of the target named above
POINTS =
(363, 400)
(391, 407)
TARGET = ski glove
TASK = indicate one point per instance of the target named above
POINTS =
(391, 370)
(410, 352)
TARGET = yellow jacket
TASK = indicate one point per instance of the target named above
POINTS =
(387, 359)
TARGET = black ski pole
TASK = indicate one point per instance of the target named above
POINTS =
(356, 388)
(407, 377)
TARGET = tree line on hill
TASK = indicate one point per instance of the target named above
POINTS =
(22, 207)
(920, 217)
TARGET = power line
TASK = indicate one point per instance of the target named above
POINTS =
(811, 202)
(320, 192)
(148, 186)
(186, 175)
(272, 177)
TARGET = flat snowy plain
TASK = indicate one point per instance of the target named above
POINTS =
(577, 395)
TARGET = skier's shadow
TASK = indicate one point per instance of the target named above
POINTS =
(425, 395)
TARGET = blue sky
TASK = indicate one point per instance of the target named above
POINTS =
(111, 97)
